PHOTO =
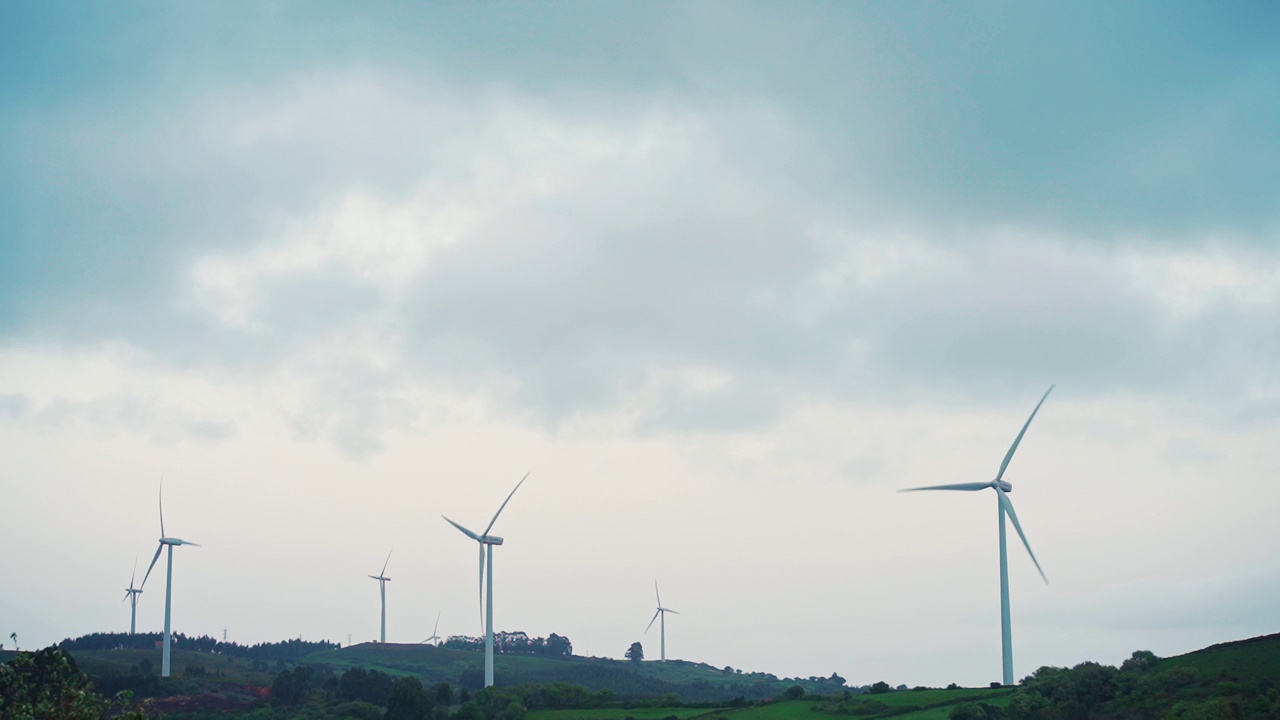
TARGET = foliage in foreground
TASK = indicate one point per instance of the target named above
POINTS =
(48, 684)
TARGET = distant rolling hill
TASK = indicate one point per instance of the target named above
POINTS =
(1252, 662)
(693, 682)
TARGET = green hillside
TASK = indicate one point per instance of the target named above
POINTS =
(692, 682)
(1252, 660)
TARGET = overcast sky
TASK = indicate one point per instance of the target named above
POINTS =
(721, 276)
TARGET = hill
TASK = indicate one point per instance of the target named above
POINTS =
(1252, 660)
(691, 682)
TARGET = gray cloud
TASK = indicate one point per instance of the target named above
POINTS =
(658, 245)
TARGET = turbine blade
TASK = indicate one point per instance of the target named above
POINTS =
(437, 627)
(1009, 455)
(657, 594)
(384, 565)
(674, 612)
(1008, 508)
(188, 542)
(465, 531)
(161, 507)
(655, 617)
(956, 486)
(126, 596)
(504, 503)
(152, 565)
(135, 571)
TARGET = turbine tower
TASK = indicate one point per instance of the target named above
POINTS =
(487, 540)
(1002, 489)
(132, 596)
(168, 542)
(382, 585)
(662, 626)
(434, 637)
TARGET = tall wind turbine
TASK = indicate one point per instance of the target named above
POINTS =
(662, 626)
(382, 585)
(487, 540)
(1002, 489)
(132, 596)
(165, 541)
(434, 637)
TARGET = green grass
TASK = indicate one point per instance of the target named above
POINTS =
(642, 713)
(218, 668)
(1241, 661)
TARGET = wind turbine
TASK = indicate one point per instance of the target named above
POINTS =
(165, 541)
(1002, 489)
(382, 585)
(132, 596)
(662, 626)
(434, 637)
(487, 540)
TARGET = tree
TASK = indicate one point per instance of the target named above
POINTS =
(635, 653)
(14, 636)
(967, 711)
(291, 686)
(795, 692)
(880, 688)
(408, 701)
(48, 684)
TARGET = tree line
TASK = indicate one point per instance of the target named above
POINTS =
(515, 643)
(285, 651)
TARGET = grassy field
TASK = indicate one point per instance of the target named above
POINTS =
(1241, 661)
(942, 702)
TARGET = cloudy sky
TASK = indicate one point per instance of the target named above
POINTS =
(721, 276)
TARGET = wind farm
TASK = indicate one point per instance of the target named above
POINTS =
(755, 295)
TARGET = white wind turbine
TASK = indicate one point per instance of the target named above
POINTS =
(434, 637)
(132, 596)
(169, 542)
(382, 585)
(662, 626)
(1002, 489)
(485, 539)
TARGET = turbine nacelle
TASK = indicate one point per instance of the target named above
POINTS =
(176, 541)
(1002, 485)
(491, 540)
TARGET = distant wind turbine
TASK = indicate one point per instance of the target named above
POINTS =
(434, 637)
(487, 540)
(382, 585)
(132, 596)
(662, 626)
(1002, 489)
(165, 541)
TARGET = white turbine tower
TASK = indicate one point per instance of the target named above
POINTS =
(168, 542)
(662, 626)
(434, 637)
(132, 596)
(382, 585)
(487, 540)
(1002, 489)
